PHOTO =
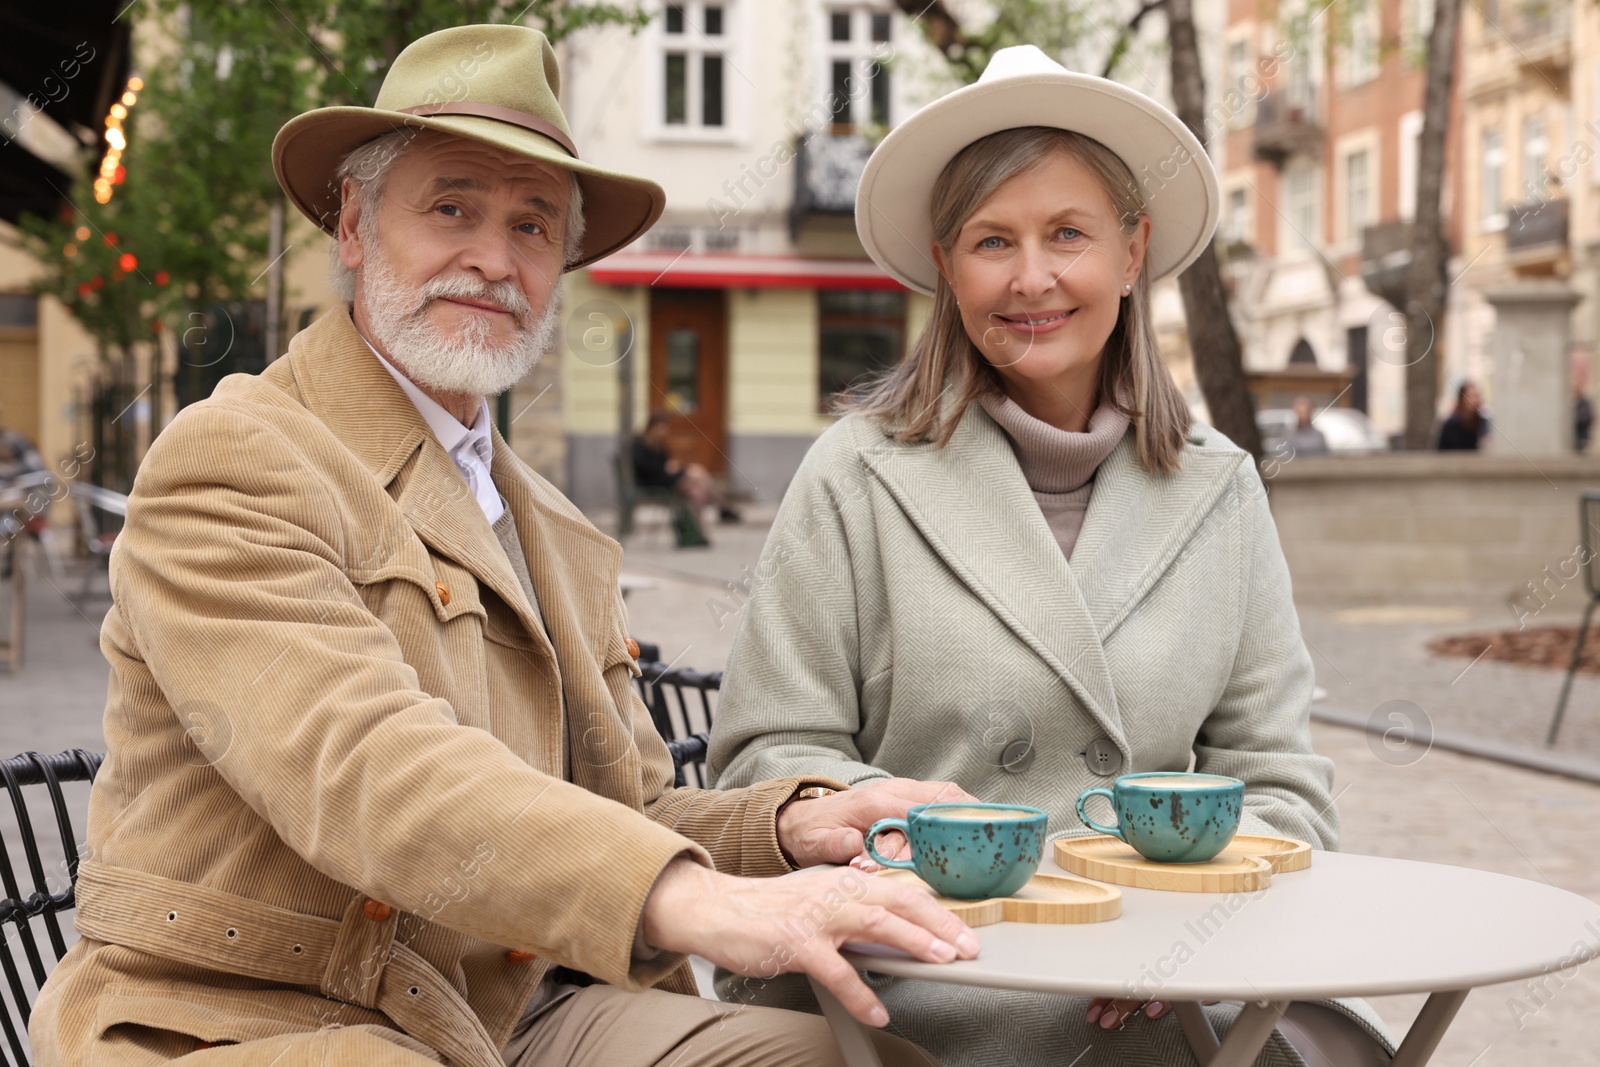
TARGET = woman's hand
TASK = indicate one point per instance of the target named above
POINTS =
(1114, 1014)
(764, 927)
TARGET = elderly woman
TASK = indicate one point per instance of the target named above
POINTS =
(1018, 564)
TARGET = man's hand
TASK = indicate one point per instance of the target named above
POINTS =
(833, 829)
(764, 927)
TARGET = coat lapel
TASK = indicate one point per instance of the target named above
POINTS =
(574, 566)
(971, 503)
(351, 392)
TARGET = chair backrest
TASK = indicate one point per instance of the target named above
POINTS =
(1589, 534)
(86, 498)
(105, 499)
(48, 853)
(681, 705)
(22, 498)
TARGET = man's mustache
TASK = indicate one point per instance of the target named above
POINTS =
(502, 294)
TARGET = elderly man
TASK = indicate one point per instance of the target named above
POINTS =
(379, 790)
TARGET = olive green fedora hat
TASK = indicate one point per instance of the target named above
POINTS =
(499, 85)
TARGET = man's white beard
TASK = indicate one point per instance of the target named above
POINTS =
(469, 362)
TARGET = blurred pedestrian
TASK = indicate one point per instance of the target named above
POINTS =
(1467, 424)
(1305, 438)
(1582, 406)
(654, 466)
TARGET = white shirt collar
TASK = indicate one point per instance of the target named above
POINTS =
(471, 448)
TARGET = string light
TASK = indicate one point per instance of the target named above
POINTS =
(111, 171)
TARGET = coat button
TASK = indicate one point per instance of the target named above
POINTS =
(517, 955)
(633, 648)
(1017, 756)
(376, 910)
(1102, 757)
(444, 593)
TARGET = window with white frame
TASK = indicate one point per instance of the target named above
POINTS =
(1416, 24)
(1303, 72)
(1357, 193)
(1241, 108)
(1594, 171)
(1535, 152)
(695, 37)
(1238, 218)
(857, 81)
(1491, 182)
(1301, 209)
(1359, 54)
(1410, 154)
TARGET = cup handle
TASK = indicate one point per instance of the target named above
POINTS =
(884, 826)
(1083, 798)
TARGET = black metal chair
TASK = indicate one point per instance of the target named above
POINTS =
(683, 720)
(630, 495)
(98, 536)
(681, 706)
(23, 915)
(1589, 534)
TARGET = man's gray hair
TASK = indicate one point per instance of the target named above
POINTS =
(368, 166)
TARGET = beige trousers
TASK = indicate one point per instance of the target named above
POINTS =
(594, 1027)
(605, 1027)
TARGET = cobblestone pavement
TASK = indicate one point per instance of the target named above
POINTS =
(1442, 807)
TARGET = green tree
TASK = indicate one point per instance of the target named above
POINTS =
(197, 193)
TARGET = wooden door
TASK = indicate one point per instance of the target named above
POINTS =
(689, 372)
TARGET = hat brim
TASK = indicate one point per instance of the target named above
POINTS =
(618, 208)
(1179, 183)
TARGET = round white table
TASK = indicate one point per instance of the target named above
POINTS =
(1349, 926)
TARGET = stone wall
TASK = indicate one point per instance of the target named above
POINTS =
(1433, 528)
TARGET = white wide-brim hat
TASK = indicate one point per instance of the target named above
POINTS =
(1024, 87)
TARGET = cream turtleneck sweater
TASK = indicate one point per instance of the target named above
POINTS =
(1059, 465)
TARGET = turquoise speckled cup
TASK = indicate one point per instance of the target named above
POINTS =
(968, 851)
(1171, 816)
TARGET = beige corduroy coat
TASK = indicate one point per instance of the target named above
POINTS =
(353, 787)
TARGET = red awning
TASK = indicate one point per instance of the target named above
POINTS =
(687, 270)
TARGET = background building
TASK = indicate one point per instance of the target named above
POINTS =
(1320, 179)
(752, 301)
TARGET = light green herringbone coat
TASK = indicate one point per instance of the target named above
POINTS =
(913, 615)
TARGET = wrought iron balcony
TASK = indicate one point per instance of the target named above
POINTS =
(1541, 32)
(827, 171)
(1386, 260)
(1286, 127)
(1536, 226)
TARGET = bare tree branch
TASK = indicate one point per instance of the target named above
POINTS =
(1125, 34)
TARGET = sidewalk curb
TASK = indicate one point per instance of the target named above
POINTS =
(1578, 767)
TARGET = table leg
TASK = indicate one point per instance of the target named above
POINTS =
(854, 1044)
(1249, 1034)
(1197, 1030)
(1432, 1021)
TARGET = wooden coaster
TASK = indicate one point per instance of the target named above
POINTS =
(1246, 865)
(1047, 898)
(1284, 853)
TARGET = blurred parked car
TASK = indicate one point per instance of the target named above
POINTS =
(1346, 429)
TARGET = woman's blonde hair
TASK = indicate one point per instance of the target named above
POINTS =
(925, 395)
